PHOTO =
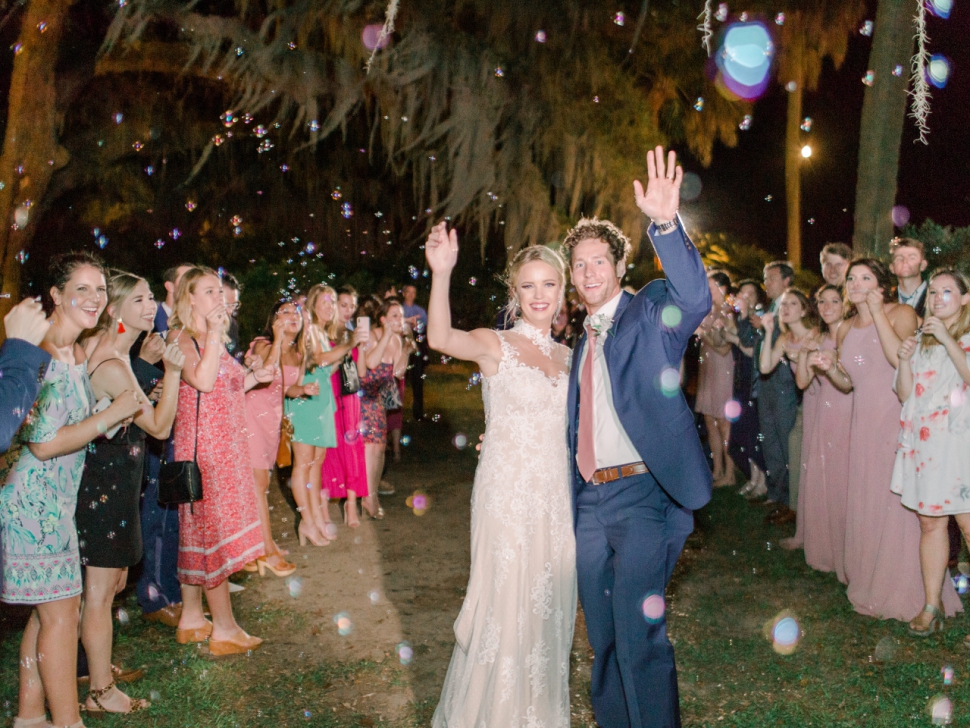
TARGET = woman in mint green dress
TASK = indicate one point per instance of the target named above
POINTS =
(311, 407)
(39, 479)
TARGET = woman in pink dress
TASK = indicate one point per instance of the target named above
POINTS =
(715, 381)
(221, 533)
(824, 481)
(882, 536)
(344, 470)
(264, 417)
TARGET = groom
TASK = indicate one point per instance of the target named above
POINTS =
(639, 471)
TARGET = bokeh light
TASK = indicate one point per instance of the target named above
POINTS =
(806, 151)
(419, 502)
(900, 216)
(744, 61)
(732, 410)
(404, 652)
(961, 582)
(784, 632)
(671, 316)
(690, 188)
(941, 710)
(371, 37)
(295, 586)
(670, 381)
(460, 441)
(947, 672)
(654, 607)
(344, 625)
(938, 70)
(885, 649)
(940, 8)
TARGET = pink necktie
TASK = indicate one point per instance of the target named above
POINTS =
(586, 453)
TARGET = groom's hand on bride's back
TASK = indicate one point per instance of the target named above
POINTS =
(441, 249)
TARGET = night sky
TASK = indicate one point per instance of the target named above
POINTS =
(934, 180)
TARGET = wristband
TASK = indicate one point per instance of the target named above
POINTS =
(665, 227)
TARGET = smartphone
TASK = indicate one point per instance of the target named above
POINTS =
(363, 324)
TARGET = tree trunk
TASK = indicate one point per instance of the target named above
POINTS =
(883, 116)
(793, 156)
(30, 141)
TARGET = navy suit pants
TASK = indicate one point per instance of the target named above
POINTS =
(629, 535)
(158, 585)
(777, 412)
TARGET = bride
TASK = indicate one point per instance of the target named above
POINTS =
(510, 666)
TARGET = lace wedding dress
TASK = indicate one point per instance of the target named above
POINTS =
(510, 667)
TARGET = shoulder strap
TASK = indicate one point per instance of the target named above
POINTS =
(198, 406)
(114, 358)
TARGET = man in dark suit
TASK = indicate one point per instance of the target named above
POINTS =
(639, 470)
(22, 366)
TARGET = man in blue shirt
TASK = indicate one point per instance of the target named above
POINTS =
(22, 365)
(417, 318)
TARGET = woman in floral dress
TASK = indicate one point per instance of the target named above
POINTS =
(40, 476)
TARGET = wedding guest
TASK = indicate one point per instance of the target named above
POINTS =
(276, 347)
(417, 318)
(219, 534)
(932, 468)
(715, 381)
(41, 473)
(834, 262)
(386, 358)
(312, 407)
(908, 263)
(22, 363)
(744, 447)
(881, 535)
(796, 324)
(107, 515)
(232, 290)
(158, 589)
(824, 484)
(344, 470)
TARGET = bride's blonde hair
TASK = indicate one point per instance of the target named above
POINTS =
(531, 254)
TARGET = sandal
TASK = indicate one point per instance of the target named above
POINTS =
(119, 674)
(935, 624)
(135, 704)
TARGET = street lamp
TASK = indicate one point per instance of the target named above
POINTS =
(806, 151)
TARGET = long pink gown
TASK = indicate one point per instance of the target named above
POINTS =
(344, 466)
(824, 483)
(882, 536)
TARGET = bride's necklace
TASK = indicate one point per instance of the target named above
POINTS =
(543, 340)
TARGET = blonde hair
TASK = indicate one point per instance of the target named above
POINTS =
(182, 317)
(121, 284)
(531, 254)
(316, 326)
(961, 326)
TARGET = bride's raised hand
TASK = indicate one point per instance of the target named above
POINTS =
(441, 249)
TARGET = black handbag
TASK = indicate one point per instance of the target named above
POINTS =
(349, 379)
(181, 481)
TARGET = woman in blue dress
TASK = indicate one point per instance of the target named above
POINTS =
(311, 406)
(40, 475)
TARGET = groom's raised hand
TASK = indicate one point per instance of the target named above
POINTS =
(441, 249)
(661, 200)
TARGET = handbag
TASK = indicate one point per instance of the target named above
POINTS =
(349, 379)
(391, 396)
(181, 481)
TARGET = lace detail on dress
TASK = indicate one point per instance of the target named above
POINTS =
(520, 609)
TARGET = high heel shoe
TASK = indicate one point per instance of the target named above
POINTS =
(199, 634)
(306, 535)
(135, 705)
(284, 569)
(351, 522)
(379, 516)
(251, 567)
(239, 644)
(935, 624)
(327, 528)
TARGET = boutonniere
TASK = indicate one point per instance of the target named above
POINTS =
(600, 323)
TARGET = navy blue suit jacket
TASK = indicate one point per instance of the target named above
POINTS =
(22, 366)
(161, 320)
(639, 347)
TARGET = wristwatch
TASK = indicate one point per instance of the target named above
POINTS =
(666, 227)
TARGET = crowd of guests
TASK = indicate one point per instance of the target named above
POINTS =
(847, 411)
(107, 386)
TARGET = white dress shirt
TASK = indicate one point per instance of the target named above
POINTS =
(611, 444)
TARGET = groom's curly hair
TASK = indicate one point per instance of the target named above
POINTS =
(592, 228)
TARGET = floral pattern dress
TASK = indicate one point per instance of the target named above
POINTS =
(41, 562)
(932, 469)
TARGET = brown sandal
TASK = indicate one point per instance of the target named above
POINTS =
(137, 704)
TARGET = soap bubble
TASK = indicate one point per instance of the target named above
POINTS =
(947, 672)
(732, 410)
(540, 36)
(690, 188)
(699, 104)
(780, 19)
(404, 652)
(940, 8)
(885, 649)
(938, 70)
(374, 596)
(419, 502)
(620, 19)
(806, 124)
(344, 625)
(869, 78)
(371, 37)
(866, 28)
(295, 585)
(722, 12)
(123, 618)
(744, 61)
(460, 441)
(671, 316)
(745, 122)
(346, 210)
(405, 440)
(941, 710)
(961, 582)
(21, 215)
(784, 632)
(670, 381)
(900, 216)
(654, 608)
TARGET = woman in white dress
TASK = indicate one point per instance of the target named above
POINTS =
(510, 666)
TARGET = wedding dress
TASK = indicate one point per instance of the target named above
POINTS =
(510, 667)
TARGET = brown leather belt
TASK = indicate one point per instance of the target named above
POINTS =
(608, 475)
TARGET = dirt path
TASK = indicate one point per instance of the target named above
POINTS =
(401, 579)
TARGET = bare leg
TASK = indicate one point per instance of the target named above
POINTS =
(273, 553)
(374, 458)
(192, 615)
(717, 450)
(50, 667)
(31, 690)
(302, 487)
(350, 509)
(934, 549)
(724, 430)
(97, 631)
(224, 625)
(395, 437)
(314, 476)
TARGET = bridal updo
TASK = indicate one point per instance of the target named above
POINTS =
(528, 255)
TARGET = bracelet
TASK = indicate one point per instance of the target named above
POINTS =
(665, 227)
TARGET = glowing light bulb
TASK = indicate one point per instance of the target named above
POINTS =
(806, 151)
